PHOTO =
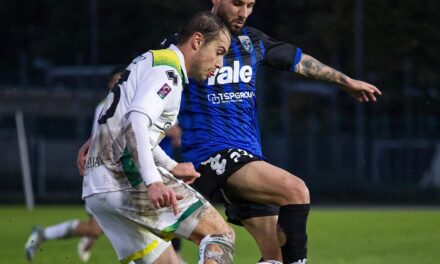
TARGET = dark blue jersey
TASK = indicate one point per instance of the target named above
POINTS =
(222, 112)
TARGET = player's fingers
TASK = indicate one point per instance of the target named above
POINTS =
(174, 204)
(364, 97)
(372, 97)
(376, 91)
(190, 180)
(166, 200)
(195, 174)
(156, 204)
(179, 196)
(358, 97)
(373, 89)
(162, 202)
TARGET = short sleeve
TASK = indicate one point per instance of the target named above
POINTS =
(278, 54)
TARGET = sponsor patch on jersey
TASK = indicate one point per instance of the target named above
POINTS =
(246, 43)
(164, 91)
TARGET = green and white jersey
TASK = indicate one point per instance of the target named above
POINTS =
(152, 85)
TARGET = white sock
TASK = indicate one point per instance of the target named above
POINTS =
(61, 230)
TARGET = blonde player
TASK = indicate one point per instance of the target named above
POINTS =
(129, 195)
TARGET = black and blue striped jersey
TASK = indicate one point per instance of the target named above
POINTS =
(221, 113)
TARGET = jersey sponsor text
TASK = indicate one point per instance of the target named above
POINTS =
(231, 97)
(233, 74)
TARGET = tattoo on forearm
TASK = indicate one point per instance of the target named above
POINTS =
(311, 67)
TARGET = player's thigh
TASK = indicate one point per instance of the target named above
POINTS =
(262, 182)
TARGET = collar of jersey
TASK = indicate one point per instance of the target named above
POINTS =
(182, 60)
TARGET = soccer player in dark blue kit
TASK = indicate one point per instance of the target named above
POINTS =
(222, 139)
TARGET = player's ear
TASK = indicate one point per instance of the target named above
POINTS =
(197, 40)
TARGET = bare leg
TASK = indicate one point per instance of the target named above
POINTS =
(264, 231)
(285, 190)
(89, 229)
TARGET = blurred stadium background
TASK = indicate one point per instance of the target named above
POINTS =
(56, 55)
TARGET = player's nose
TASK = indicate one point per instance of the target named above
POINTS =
(243, 12)
(219, 63)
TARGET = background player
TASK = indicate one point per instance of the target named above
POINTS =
(88, 230)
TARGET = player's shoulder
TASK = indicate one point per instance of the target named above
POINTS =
(166, 57)
(253, 34)
(251, 31)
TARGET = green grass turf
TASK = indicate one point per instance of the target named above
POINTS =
(339, 236)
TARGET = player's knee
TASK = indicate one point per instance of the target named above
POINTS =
(217, 248)
(295, 192)
(226, 231)
(229, 232)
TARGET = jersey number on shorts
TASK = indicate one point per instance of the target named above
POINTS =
(116, 90)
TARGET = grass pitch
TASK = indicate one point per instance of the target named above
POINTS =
(336, 236)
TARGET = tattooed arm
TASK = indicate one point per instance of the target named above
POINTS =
(312, 68)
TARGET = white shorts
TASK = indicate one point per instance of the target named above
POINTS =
(88, 211)
(134, 226)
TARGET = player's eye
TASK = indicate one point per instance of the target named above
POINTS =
(237, 3)
(221, 51)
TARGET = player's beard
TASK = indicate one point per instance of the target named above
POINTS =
(223, 15)
(197, 73)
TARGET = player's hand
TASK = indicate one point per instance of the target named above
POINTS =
(185, 171)
(82, 156)
(362, 91)
(163, 196)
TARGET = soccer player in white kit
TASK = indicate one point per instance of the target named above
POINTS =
(128, 182)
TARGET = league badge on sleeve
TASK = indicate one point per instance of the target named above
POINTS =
(164, 91)
(246, 43)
